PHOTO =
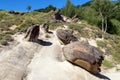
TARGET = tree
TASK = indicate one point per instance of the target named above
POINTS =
(29, 8)
(105, 8)
(69, 9)
(47, 9)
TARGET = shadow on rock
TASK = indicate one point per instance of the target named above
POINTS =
(101, 76)
(43, 43)
(50, 32)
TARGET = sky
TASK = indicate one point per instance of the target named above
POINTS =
(20, 5)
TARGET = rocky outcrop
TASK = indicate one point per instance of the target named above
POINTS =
(56, 17)
(32, 33)
(45, 27)
(16, 12)
(65, 37)
(74, 18)
(84, 55)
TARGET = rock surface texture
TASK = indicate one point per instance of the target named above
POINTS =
(41, 61)
(65, 37)
(84, 55)
(56, 17)
(45, 27)
(32, 33)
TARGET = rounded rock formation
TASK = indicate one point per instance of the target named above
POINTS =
(65, 37)
(84, 55)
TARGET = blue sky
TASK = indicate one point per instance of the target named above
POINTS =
(20, 5)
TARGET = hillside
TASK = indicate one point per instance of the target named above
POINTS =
(19, 56)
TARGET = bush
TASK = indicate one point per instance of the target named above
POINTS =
(102, 44)
(116, 57)
(115, 27)
(55, 25)
(69, 9)
(108, 64)
(4, 42)
(8, 38)
(47, 36)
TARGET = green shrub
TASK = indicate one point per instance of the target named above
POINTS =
(4, 42)
(55, 25)
(108, 64)
(47, 36)
(116, 57)
(8, 38)
(102, 44)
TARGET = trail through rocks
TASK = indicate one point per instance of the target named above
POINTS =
(42, 61)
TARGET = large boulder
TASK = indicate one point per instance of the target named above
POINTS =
(84, 55)
(32, 33)
(65, 37)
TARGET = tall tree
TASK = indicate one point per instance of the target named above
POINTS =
(29, 8)
(105, 8)
(69, 9)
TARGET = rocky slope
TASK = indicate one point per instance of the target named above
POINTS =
(37, 61)
(23, 60)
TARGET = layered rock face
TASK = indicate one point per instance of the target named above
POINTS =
(32, 33)
(45, 27)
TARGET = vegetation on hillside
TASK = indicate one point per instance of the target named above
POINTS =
(102, 13)
(47, 9)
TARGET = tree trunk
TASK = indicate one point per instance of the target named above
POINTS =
(102, 20)
(106, 25)
(103, 24)
(103, 29)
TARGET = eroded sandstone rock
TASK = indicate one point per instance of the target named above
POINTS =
(56, 17)
(45, 27)
(32, 33)
(84, 55)
(65, 36)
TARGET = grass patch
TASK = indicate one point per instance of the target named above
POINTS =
(102, 44)
(47, 36)
(116, 57)
(108, 64)
(55, 25)
(3, 42)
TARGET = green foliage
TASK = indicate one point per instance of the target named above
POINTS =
(69, 9)
(4, 42)
(29, 8)
(102, 44)
(55, 25)
(47, 36)
(8, 37)
(116, 57)
(107, 10)
(96, 12)
(108, 64)
(90, 15)
(2, 14)
(115, 26)
(47, 9)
